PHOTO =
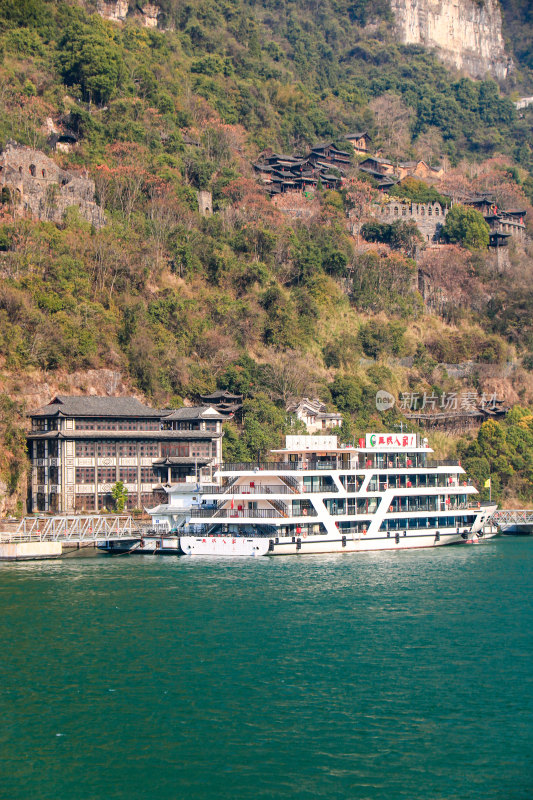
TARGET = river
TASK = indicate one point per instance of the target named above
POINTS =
(380, 676)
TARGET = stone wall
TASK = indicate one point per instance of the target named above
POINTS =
(466, 33)
(205, 203)
(429, 217)
(39, 187)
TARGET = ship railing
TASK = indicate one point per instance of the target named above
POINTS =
(235, 513)
(287, 466)
(199, 529)
(250, 513)
(270, 489)
(433, 508)
(214, 531)
(241, 489)
(431, 462)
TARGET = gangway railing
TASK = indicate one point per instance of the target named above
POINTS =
(513, 516)
(73, 528)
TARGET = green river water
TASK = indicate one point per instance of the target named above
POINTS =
(381, 676)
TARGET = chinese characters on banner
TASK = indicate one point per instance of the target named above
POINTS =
(391, 440)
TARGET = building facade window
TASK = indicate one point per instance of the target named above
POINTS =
(85, 449)
(107, 474)
(175, 450)
(128, 474)
(148, 449)
(84, 502)
(106, 449)
(200, 449)
(148, 475)
(127, 449)
(84, 474)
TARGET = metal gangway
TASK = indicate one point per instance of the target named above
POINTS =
(74, 529)
(512, 516)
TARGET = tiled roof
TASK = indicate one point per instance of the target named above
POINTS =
(221, 393)
(195, 412)
(121, 435)
(88, 406)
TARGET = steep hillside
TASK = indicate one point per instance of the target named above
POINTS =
(250, 298)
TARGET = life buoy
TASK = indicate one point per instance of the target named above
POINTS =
(364, 531)
(304, 535)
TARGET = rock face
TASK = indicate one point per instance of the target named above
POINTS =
(118, 10)
(150, 14)
(115, 10)
(33, 183)
(466, 33)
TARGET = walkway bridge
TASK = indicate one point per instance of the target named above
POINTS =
(513, 516)
(72, 529)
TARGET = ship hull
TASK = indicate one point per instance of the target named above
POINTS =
(279, 546)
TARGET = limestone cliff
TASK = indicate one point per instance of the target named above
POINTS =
(466, 33)
(118, 10)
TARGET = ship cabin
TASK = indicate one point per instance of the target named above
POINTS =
(314, 478)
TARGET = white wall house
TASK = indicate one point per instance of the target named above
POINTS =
(314, 415)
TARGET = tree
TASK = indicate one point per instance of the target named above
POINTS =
(466, 226)
(393, 120)
(90, 57)
(120, 496)
(264, 423)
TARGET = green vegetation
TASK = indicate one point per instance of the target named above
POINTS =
(119, 493)
(286, 74)
(466, 226)
(13, 461)
(418, 191)
(249, 299)
(503, 452)
(398, 235)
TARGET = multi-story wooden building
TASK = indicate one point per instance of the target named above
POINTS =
(80, 447)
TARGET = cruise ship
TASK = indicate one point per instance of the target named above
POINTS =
(318, 496)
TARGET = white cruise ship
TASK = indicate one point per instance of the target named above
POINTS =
(316, 496)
